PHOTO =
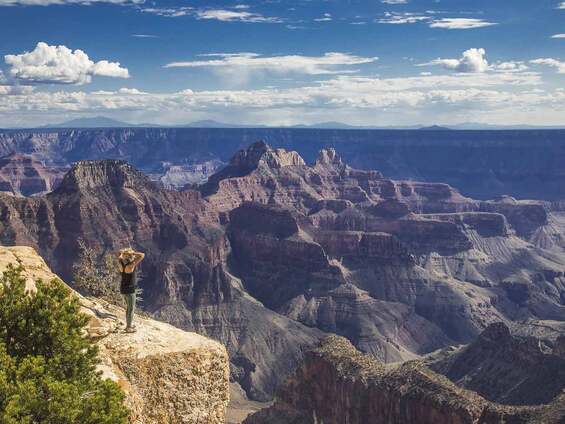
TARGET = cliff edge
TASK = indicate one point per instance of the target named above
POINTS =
(168, 375)
(338, 384)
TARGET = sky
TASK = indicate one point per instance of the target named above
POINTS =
(283, 62)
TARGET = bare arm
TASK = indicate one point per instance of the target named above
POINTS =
(138, 257)
(120, 266)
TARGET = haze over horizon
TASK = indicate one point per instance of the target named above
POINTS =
(382, 63)
(93, 122)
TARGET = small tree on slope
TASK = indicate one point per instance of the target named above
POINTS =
(47, 364)
(94, 277)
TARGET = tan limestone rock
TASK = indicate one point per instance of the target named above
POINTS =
(168, 375)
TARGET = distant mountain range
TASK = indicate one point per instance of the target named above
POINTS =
(94, 122)
(435, 128)
(105, 122)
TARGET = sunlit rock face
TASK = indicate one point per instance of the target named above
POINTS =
(400, 268)
(168, 375)
(185, 277)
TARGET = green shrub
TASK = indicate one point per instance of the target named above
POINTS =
(47, 364)
(97, 277)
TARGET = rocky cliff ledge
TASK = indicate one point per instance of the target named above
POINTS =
(337, 384)
(169, 375)
(505, 368)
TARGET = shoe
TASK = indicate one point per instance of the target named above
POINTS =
(130, 329)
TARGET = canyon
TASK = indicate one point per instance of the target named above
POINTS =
(276, 250)
(481, 164)
(337, 384)
(24, 175)
(505, 367)
(185, 278)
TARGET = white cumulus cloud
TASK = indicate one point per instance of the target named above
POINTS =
(472, 61)
(402, 18)
(169, 12)
(6, 88)
(15, 90)
(429, 19)
(511, 66)
(329, 63)
(59, 64)
(238, 13)
(554, 63)
(326, 17)
(235, 16)
(131, 91)
(508, 96)
(461, 23)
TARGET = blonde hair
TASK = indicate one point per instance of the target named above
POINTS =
(127, 253)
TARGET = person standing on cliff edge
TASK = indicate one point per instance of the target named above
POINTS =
(128, 259)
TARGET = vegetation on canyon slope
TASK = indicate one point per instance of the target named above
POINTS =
(95, 276)
(47, 365)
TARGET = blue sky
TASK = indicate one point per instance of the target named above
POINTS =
(391, 62)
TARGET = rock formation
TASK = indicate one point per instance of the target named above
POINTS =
(272, 252)
(482, 164)
(24, 175)
(168, 375)
(400, 268)
(506, 368)
(336, 384)
(185, 278)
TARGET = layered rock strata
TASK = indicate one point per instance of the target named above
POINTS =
(23, 175)
(505, 368)
(482, 164)
(273, 252)
(337, 384)
(391, 265)
(185, 277)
